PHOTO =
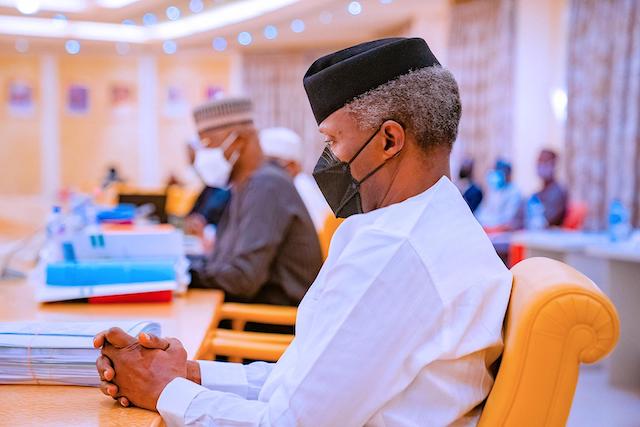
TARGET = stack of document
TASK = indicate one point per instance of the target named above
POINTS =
(56, 353)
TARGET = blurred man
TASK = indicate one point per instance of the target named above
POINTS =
(404, 321)
(283, 147)
(210, 204)
(266, 248)
(552, 195)
(471, 193)
(499, 210)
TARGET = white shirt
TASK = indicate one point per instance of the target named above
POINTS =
(399, 329)
(313, 199)
(500, 207)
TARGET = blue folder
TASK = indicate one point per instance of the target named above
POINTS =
(108, 272)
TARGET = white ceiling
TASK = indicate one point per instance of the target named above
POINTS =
(326, 22)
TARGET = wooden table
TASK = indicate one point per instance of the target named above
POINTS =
(186, 318)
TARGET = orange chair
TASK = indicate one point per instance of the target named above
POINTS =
(575, 216)
(557, 318)
(331, 224)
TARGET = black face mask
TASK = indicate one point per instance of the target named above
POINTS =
(338, 186)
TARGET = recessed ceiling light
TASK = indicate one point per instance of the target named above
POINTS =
(128, 22)
(297, 25)
(72, 47)
(270, 32)
(244, 38)
(355, 8)
(169, 47)
(196, 6)
(149, 19)
(173, 13)
(28, 7)
(385, 1)
(219, 44)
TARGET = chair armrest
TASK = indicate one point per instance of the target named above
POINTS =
(248, 349)
(254, 337)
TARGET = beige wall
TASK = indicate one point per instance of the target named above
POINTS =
(19, 134)
(89, 142)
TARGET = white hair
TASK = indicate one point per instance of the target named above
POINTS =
(425, 101)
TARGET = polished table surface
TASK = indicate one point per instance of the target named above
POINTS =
(186, 318)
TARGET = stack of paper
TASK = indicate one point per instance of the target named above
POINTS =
(57, 353)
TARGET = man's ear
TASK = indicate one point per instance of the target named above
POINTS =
(394, 138)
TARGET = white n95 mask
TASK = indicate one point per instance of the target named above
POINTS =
(213, 167)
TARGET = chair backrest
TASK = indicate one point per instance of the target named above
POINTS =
(557, 318)
(331, 224)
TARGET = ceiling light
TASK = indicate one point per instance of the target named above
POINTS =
(50, 5)
(149, 19)
(385, 1)
(270, 32)
(22, 45)
(128, 22)
(28, 7)
(297, 25)
(326, 17)
(354, 8)
(169, 47)
(244, 38)
(222, 16)
(60, 17)
(72, 47)
(219, 44)
(196, 6)
(173, 13)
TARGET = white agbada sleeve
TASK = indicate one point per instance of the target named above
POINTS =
(363, 338)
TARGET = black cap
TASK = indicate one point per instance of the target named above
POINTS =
(336, 79)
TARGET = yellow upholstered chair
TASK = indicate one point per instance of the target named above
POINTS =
(556, 320)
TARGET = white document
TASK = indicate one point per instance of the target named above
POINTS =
(59, 353)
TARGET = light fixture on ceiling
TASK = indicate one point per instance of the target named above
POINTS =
(297, 25)
(73, 6)
(355, 8)
(149, 19)
(28, 7)
(386, 1)
(219, 44)
(245, 38)
(60, 17)
(270, 32)
(22, 45)
(173, 13)
(196, 6)
(169, 47)
(72, 47)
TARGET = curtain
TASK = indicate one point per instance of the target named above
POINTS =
(603, 115)
(481, 56)
(274, 83)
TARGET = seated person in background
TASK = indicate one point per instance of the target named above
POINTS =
(552, 196)
(283, 147)
(393, 331)
(471, 193)
(266, 248)
(500, 208)
(209, 205)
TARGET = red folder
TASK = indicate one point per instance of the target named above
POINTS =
(159, 296)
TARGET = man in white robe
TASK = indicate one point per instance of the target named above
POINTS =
(403, 323)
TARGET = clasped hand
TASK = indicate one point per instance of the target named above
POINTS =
(136, 371)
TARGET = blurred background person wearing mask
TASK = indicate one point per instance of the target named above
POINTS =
(499, 209)
(553, 197)
(283, 147)
(266, 248)
(471, 192)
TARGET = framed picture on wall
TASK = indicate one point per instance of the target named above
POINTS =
(175, 104)
(78, 99)
(213, 92)
(122, 99)
(20, 98)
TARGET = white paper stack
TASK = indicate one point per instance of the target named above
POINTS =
(56, 353)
